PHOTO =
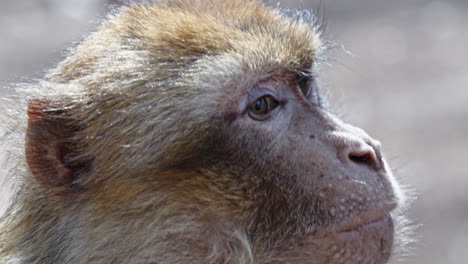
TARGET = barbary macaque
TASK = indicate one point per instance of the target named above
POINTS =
(193, 131)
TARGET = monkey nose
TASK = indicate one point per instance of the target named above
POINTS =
(352, 149)
(364, 156)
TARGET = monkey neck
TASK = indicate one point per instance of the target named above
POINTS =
(43, 230)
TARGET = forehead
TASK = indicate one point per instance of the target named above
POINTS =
(249, 31)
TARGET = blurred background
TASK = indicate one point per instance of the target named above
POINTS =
(400, 71)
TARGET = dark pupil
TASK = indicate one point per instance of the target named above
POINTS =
(261, 106)
(304, 85)
(304, 89)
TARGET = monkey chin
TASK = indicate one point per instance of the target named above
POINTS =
(367, 243)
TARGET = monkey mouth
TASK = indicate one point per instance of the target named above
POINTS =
(383, 221)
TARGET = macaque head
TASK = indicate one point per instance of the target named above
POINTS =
(194, 132)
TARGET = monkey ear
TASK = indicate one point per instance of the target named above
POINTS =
(48, 144)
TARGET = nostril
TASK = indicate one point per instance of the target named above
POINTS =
(367, 158)
(364, 158)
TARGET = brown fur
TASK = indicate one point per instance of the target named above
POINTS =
(159, 165)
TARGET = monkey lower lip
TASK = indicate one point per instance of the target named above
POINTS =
(357, 227)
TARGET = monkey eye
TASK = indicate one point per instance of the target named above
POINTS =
(261, 108)
(304, 84)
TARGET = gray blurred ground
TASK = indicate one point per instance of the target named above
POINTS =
(405, 83)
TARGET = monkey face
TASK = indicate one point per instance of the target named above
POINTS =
(321, 185)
